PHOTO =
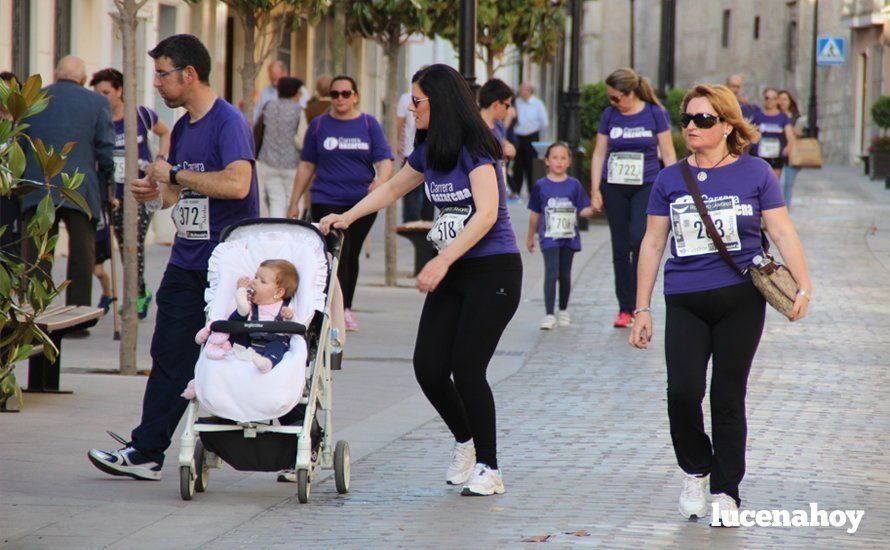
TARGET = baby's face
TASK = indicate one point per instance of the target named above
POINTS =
(265, 288)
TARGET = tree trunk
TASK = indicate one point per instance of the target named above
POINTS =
(489, 62)
(130, 322)
(249, 68)
(391, 53)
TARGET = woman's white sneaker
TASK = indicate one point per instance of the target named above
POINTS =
(693, 503)
(548, 322)
(463, 458)
(563, 318)
(484, 482)
(727, 511)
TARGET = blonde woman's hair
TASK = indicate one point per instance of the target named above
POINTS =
(728, 109)
(627, 80)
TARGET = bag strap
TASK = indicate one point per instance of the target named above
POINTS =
(692, 187)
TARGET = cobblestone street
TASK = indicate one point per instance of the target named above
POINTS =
(583, 435)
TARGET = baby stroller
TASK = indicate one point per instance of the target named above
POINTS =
(280, 420)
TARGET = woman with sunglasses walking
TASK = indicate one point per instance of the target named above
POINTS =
(776, 132)
(713, 313)
(473, 285)
(625, 162)
(349, 156)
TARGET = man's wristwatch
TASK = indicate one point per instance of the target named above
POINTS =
(173, 171)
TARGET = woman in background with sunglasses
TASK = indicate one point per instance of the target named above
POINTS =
(713, 312)
(625, 158)
(349, 156)
(776, 132)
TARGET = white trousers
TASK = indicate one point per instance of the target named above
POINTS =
(275, 186)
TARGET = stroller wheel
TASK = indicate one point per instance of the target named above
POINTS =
(341, 467)
(202, 470)
(303, 486)
(186, 483)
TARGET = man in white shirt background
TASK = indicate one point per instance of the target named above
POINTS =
(531, 121)
(277, 69)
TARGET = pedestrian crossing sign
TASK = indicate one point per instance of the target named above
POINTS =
(831, 50)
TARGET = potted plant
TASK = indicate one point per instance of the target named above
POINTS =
(879, 150)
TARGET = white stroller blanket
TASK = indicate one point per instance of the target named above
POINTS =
(236, 389)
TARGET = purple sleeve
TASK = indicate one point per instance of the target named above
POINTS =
(604, 121)
(658, 200)
(235, 140)
(770, 193)
(309, 153)
(152, 116)
(661, 122)
(470, 162)
(379, 146)
(583, 201)
(534, 198)
(417, 160)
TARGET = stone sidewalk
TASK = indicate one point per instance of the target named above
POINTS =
(582, 429)
(583, 433)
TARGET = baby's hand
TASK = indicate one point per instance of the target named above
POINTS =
(243, 282)
(287, 313)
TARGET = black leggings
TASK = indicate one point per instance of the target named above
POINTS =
(557, 267)
(461, 324)
(355, 236)
(626, 211)
(725, 325)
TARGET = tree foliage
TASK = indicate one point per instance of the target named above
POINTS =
(25, 290)
(880, 112)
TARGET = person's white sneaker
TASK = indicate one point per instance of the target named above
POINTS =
(727, 511)
(693, 503)
(548, 322)
(484, 482)
(563, 318)
(463, 457)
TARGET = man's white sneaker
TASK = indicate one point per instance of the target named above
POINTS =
(563, 318)
(125, 462)
(484, 482)
(548, 322)
(693, 503)
(463, 458)
(727, 511)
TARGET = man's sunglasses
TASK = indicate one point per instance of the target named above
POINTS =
(345, 94)
(701, 120)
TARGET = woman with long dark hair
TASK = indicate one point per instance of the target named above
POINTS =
(474, 283)
(346, 151)
(788, 106)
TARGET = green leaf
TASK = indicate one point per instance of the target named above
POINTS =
(5, 281)
(45, 214)
(37, 108)
(23, 353)
(16, 160)
(77, 199)
(32, 88)
(16, 106)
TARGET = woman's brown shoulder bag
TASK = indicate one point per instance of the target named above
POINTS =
(771, 278)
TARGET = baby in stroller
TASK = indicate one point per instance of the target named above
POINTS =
(266, 297)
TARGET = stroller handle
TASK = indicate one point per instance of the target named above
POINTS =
(246, 327)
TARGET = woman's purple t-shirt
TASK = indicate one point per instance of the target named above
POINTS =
(145, 120)
(549, 193)
(771, 126)
(344, 153)
(452, 188)
(634, 133)
(735, 195)
(218, 139)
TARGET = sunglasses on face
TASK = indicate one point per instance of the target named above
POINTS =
(345, 94)
(770, 97)
(615, 98)
(701, 120)
(418, 100)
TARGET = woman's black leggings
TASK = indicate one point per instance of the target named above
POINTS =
(353, 240)
(723, 325)
(626, 211)
(461, 324)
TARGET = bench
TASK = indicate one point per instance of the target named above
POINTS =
(56, 322)
(416, 232)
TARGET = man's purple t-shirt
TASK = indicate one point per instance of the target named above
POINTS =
(145, 121)
(634, 133)
(548, 193)
(735, 195)
(344, 153)
(218, 139)
(771, 126)
(452, 188)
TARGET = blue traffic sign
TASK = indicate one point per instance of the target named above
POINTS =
(831, 50)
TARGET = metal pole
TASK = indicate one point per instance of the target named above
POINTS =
(467, 42)
(632, 34)
(573, 96)
(666, 61)
(812, 112)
